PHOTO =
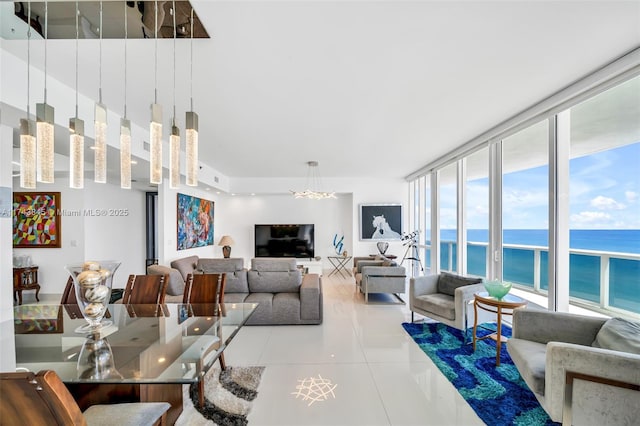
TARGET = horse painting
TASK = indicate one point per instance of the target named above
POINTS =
(383, 230)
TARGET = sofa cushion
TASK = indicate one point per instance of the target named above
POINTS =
(175, 287)
(233, 267)
(186, 265)
(437, 303)
(447, 283)
(274, 264)
(619, 334)
(274, 282)
(530, 358)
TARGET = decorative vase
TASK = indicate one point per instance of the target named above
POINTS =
(95, 361)
(382, 247)
(497, 289)
(92, 281)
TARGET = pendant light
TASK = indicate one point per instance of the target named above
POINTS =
(44, 121)
(155, 127)
(76, 133)
(314, 185)
(100, 123)
(174, 139)
(27, 129)
(191, 132)
(125, 124)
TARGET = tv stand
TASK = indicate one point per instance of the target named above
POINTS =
(313, 266)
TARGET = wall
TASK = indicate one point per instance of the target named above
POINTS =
(87, 233)
(237, 215)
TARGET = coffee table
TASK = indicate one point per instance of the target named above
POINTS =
(153, 349)
(504, 306)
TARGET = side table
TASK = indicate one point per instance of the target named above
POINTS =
(25, 279)
(339, 264)
(505, 306)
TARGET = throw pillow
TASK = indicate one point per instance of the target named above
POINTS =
(447, 283)
(619, 334)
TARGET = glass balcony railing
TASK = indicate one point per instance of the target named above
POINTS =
(608, 281)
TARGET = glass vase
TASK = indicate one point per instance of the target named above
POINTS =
(95, 361)
(92, 281)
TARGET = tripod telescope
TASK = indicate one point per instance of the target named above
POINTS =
(411, 253)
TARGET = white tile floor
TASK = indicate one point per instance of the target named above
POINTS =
(381, 376)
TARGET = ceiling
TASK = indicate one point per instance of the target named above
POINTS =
(367, 88)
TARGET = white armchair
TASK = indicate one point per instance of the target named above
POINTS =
(553, 350)
(446, 298)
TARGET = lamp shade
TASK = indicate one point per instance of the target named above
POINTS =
(226, 240)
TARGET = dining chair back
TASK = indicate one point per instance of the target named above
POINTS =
(145, 289)
(42, 399)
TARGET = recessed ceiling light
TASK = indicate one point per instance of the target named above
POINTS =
(253, 193)
(134, 162)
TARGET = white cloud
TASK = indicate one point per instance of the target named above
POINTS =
(590, 219)
(631, 196)
(606, 203)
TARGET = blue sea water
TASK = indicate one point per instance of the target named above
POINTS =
(584, 268)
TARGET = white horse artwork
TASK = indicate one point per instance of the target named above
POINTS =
(383, 230)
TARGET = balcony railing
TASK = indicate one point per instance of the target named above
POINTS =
(604, 281)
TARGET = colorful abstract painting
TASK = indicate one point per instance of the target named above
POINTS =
(36, 220)
(195, 222)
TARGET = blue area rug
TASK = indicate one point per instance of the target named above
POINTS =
(497, 394)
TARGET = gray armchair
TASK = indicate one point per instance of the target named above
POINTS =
(380, 276)
(550, 349)
(446, 298)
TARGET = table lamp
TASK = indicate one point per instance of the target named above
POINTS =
(226, 242)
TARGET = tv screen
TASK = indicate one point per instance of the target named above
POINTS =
(284, 241)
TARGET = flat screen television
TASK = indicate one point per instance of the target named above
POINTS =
(284, 241)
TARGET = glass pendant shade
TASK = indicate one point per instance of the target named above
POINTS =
(76, 153)
(100, 148)
(27, 154)
(155, 135)
(174, 157)
(125, 154)
(45, 142)
(191, 148)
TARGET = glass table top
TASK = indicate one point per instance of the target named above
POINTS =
(169, 343)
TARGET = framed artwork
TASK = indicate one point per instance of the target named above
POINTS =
(36, 220)
(195, 222)
(380, 222)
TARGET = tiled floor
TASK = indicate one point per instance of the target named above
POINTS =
(380, 375)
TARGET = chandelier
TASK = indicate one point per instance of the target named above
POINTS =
(314, 187)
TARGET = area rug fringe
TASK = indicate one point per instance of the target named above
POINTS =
(228, 394)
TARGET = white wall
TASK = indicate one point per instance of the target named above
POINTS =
(237, 215)
(87, 234)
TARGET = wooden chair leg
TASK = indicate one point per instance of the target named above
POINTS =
(223, 364)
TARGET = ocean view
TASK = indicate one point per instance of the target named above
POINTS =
(585, 269)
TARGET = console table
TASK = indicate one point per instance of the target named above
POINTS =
(25, 279)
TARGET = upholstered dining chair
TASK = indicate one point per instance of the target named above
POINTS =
(145, 289)
(209, 289)
(42, 399)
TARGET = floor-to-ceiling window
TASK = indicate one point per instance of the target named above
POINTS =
(447, 188)
(426, 222)
(605, 198)
(525, 206)
(555, 201)
(477, 212)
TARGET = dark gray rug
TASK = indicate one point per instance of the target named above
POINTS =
(228, 394)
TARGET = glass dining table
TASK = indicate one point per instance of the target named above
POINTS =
(146, 354)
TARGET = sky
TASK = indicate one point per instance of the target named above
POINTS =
(604, 194)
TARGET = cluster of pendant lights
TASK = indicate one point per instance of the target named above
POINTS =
(37, 147)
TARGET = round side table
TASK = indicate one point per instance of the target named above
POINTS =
(505, 306)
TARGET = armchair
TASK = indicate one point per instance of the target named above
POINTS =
(551, 349)
(379, 276)
(446, 298)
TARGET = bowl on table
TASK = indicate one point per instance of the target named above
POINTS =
(497, 289)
